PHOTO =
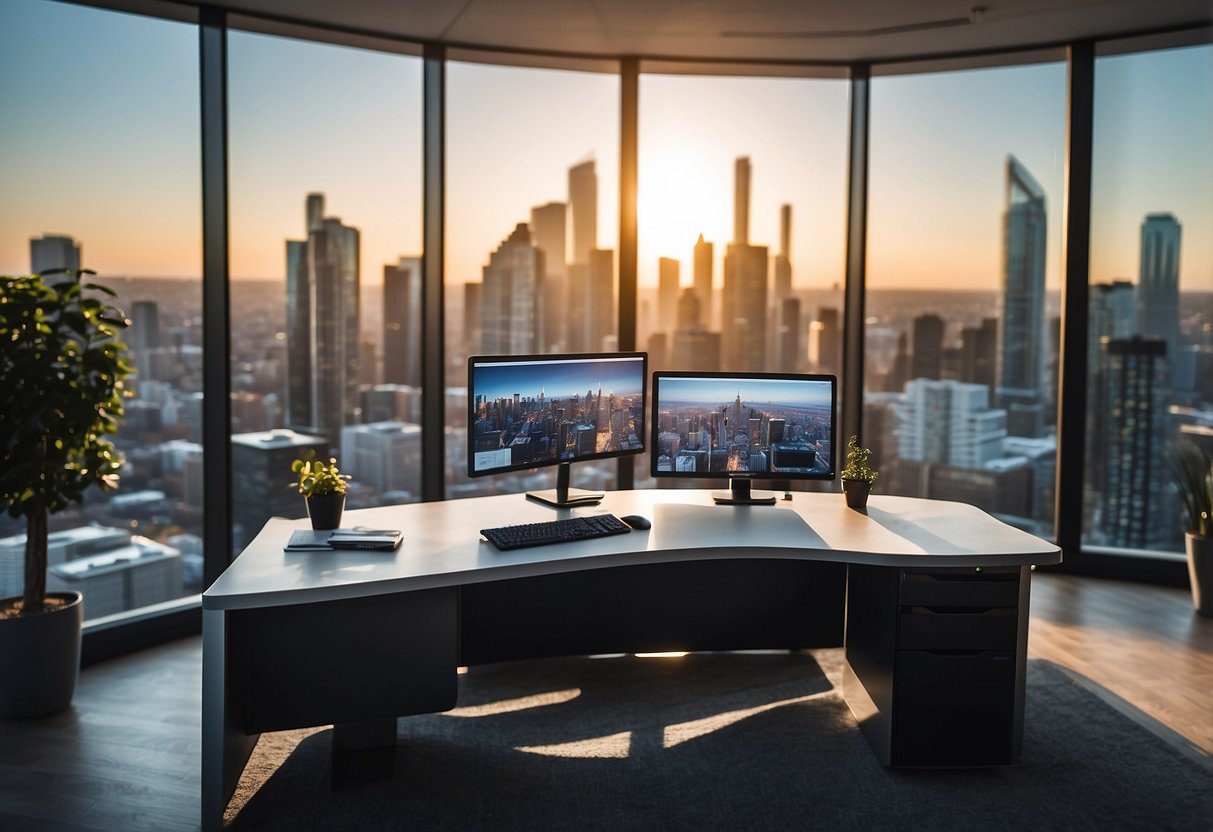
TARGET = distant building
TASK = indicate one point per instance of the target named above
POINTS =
(783, 260)
(511, 309)
(1158, 281)
(549, 231)
(667, 293)
(949, 422)
(261, 478)
(789, 343)
(137, 574)
(926, 359)
(402, 322)
(703, 280)
(744, 308)
(53, 251)
(384, 456)
(602, 299)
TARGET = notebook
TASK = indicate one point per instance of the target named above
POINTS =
(310, 540)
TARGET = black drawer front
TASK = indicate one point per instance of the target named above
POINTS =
(1000, 590)
(923, 629)
(953, 710)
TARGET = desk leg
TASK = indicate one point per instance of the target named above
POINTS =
(225, 748)
(363, 752)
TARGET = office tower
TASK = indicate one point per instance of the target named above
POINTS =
(927, 357)
(583, 203)
(511, 308)
(744, 308)
(1136, 510)
(790, 349)
(978, 352)
(402, 322)
(385, 457)
(667, 293)
(741, 201)
(53, 251)
(829, 340)
(1021, 352)
(948, 422)
(1158, 281)
(688, 311)
(390, 403)
(600, 300)
(258, 487)
(144, 331)
(659, 352)
(549, 231)
(783, 260)
(471, 317)
(138, 574)
(1112, 315)
(703, 279)
(899, 372)
(322, 325)
(695, 350)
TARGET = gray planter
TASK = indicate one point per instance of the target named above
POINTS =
(325, 510)
(1200, 571)
(40, 659)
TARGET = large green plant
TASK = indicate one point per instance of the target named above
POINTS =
(1194, 474)
(61, 390)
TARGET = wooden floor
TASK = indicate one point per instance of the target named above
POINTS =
(125, 756)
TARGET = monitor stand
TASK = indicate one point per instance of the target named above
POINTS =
(562, 496)
(739, 494)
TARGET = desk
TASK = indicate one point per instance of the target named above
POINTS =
(359, 638)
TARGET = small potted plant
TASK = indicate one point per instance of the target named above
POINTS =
(857, 477)
(1194, 473)
(323, 487)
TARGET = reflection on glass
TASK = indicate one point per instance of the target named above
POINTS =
(115, 189)
(532, 158)
(326, 271)
(1150, 348)
(964, 264)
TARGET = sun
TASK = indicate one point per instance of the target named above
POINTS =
(676, 202)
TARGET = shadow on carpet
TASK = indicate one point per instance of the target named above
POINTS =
(725, 741)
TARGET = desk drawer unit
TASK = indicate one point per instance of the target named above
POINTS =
(935, 662)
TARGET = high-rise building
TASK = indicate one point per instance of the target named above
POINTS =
(783, 260)
(471, 317)
(1135, 507)
(402, 322)
(583, 203)
(549, 231)
(790, 345)
(384, 456)
(703, 279)
(829, 340)
(323, 349)
(144, 331)
(1113, 315)
(741, 201)
(601, 317)
(259, 461)
(979, 352)
(744, 308)
(949, 422)
(53, 251)
(1021, 349)
(927, 351)
(1158, 281)
(511, 308)
(667, 293)
(695, 350)
(688, 311)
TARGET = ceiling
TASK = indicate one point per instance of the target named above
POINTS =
(800, 30)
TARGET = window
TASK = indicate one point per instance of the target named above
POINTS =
(964, 267)
(100, 171)
(532, 172)
(1150, 355)
(325, 194)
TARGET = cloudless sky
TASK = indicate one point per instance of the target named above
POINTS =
(558, 379)
(716, 391)
(101, 141)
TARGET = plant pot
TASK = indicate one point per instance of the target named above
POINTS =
(40, 658)
(1200, 571)
(857, 492)
(325, 510)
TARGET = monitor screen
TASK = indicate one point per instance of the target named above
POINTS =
(532, 410)
(743, 425)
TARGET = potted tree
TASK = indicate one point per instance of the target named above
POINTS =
(61, 390)
(1194, 472)
(323, 487)
(857, 477)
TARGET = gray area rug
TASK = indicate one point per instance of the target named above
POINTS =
(722, 742)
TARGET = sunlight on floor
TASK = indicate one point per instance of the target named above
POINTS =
(615, 746)
(522, 703)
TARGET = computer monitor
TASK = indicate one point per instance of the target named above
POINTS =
(529, 411)
(742, 427)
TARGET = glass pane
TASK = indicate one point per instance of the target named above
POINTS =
(532, 218)
(1150, 355)
(742, 212)
(325, 185)
(964, 271)
(100, 171)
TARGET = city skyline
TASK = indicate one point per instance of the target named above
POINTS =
(148, 156)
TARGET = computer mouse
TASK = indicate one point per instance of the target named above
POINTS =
(636, 521)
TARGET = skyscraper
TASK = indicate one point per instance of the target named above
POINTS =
(703, 279)
(402, 322)
(583, 203)
(789, 343)
(667, 293)
(600, 301)
(741, 201)
(549, 231)
(1158, 281)
(927, 351)
(783, 260)
(322, 325)
(53, 251)
(511, 307)
(948, 422)
(744, 306)
(1021, 349)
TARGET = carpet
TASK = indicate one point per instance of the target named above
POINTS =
(726, 741)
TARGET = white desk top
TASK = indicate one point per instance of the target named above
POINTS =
(442, 546)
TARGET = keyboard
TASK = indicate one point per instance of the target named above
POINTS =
(568, 530)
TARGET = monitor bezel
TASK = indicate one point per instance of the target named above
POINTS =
(774, 476)
(643, 434)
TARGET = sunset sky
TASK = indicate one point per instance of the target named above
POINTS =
(101, 142)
